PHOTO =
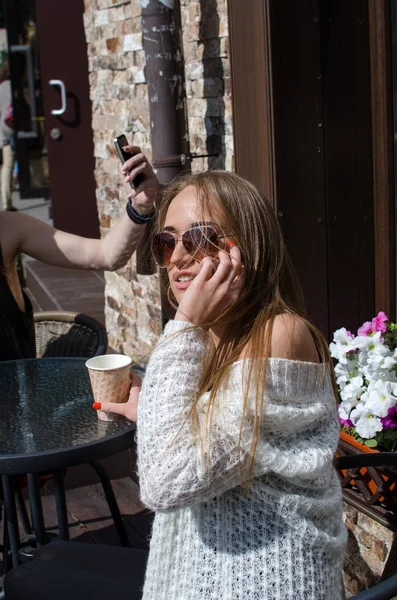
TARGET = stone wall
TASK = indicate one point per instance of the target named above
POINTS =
(208, 86)
(368, 549)
(120, 104)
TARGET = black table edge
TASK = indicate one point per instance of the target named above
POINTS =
(19, 464)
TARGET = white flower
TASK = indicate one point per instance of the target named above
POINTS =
(345, 408)
(354, 389)
(341, 345)
(367, 424)
(344, 373)
(373, 343)
(381, 398)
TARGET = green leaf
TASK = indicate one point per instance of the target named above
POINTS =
(371, 443)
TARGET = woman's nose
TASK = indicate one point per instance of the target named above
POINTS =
(179, 253)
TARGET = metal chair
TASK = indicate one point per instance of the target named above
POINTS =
(68, 334)
(387, 588)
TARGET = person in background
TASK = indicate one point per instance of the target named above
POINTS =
(23, 234)
(6, 133)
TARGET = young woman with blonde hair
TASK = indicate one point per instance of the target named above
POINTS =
(236, 418)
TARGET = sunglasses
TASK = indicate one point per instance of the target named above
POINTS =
(200, 239)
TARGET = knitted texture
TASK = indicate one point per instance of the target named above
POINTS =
(284, 538)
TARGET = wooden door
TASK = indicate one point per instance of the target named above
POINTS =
(47, 44)
(63, 57)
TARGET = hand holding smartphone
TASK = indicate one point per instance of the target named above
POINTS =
(120, 142)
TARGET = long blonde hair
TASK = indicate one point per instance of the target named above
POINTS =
(271, 288)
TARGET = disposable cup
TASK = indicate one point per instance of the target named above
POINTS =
(110, 380)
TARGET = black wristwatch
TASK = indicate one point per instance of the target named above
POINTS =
(136, 217)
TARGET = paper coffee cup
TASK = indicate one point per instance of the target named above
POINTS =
(110, 380)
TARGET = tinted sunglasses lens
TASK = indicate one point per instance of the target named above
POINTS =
(200, 239)
(163, 246)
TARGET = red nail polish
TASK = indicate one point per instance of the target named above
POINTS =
(231, 244)
(97, 405)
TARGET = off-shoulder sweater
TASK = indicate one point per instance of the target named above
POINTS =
(283, 538)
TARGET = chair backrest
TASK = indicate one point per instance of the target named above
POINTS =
(68, 334)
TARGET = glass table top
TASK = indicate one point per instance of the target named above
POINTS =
(46, 404)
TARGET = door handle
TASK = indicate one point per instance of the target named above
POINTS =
(62, 110)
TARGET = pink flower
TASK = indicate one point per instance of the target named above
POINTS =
(349, 334)
(379, 322)
(366, 328)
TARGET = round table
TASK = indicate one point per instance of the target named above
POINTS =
(47, 423)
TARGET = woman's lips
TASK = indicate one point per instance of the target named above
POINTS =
(182, 285)
(183, 280)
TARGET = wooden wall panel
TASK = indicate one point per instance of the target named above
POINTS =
(348, 153)
(251, 89)
(299, 145)
(383, 169)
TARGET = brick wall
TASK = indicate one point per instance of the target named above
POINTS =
(120, 104)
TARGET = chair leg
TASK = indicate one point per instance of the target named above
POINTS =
(112, 502)
(23, 513)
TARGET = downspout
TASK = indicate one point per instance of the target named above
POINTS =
(165, 76)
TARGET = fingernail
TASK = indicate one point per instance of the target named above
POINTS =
(97, 405)
(231, 244)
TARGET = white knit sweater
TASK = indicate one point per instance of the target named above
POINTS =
(282, 540)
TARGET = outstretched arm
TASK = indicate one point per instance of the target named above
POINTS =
(22, 233)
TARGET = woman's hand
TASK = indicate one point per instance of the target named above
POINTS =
(126, 409)
(216, 287)
(144, 196)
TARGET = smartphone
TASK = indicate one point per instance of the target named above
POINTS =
(120, 141)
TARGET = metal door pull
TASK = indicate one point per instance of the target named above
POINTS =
(62, 110)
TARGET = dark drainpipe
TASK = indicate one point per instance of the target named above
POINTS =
(162, 43)
(165, 75)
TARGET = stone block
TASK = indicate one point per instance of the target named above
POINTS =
(194, 70)
(381, 550)
(105, 32)
(191, 31)
(190, 53)
(133, 9)
(195, 88)
(101, 18)
(110, 3)
(117, 13)
(192, 13)
(213, 87)
(132, 42)
(113, 44)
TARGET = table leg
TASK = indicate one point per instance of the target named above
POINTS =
(23, 513)
(60, 501)
(112, 502)
(7, 559)
(11, 518)
(36, 508)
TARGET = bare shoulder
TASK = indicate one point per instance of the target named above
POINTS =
(291, 339)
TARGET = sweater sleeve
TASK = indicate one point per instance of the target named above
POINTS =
(297, 440)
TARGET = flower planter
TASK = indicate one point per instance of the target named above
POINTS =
(373, 490)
